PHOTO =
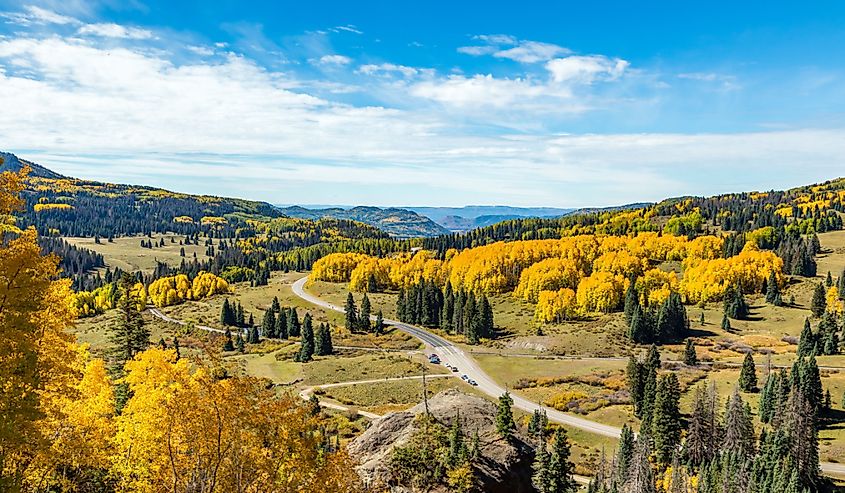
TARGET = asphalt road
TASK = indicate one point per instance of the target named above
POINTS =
(449, 353)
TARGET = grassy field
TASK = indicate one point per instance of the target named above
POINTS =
(397, 395)
(127, 253)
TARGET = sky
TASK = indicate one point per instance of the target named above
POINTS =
(566, 104)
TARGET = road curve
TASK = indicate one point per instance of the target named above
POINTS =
(449, 353)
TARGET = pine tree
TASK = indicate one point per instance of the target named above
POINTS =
(640, 478)
(561, 469)
(228, 345)
(537, 425)
(351, 312)
(748, 374)
(672, 321)
(636, 382)
(690, 356)
(254, 338)
(773, 291)
(251, 322)
(486, 318)
(541, 479)
(401, 310)
(294, 327)
(828, 282)
(176, 347)
(842, 285)
(735, 305)
(700, 444)
(625, 452)
(239, 343)
(457, 448)
(161, 343)
(240, 321)
(505, 425)
(726, 323)
(803, 437)
(819, 303)
(448, 310)
(807, 340)
(323, 340)
(638, 328)
(378, 328)
(475, 448)
(739, 428)
(666, 420)
(306, 347)
(364, 317)
(268, 324)
(281, 328)
(227, 313)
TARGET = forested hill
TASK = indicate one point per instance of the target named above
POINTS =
(399, 223)
(10, 162)
(63, 206)
(807, 209)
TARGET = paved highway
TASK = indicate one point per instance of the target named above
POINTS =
(449, 353)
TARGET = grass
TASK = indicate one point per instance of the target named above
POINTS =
(368, 366)
(397, 394)
(127, 253)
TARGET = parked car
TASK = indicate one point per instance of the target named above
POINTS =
(465, 378)
(454, 368)
(472, 382)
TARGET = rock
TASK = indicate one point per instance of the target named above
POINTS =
(502, 468)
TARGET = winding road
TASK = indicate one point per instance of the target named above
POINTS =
(452, 354)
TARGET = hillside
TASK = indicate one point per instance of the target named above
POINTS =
(399, 223)
(10, 162)
(477, 216)
(806, 209)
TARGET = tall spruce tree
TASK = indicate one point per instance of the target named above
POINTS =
(690, 356)
(228, 344)
(378, 327)
(268, 324)
(351, 312)
(294, 327)
(505, 424)
(323, 340)
(819, 303)
(735, 305)
(281, 329)
(364, 324)
(773, 296)
(739, 428)
(227, 314)
(306, 348)
(541, 479)
(561, 468)
(666, 421)
(128, 337)
(807, 340)
(748, 374)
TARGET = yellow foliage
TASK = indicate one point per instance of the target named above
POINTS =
(212, 220)
(184, 430)
(601, 292)
(556, 306)
(562, 399)
(834, 304)
(379, 269)
(167, 291)
(52, 207)
(406, 271)
(183, 219)
(620, 262)
(336, 267)
(550, 274)
(655, 286)
(707, 280)
(90, 303)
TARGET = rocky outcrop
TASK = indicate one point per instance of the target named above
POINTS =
(503, 466)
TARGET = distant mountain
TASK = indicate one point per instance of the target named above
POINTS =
(478, 216)
(10, 162)
(399, 223)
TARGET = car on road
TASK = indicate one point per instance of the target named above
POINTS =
(434, 359)
(465, 378)
(454, 368)
(472, 382)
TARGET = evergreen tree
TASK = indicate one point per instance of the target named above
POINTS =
(505, 425)
(306, 348)
(128, 337)
(176, 347)
(541, 479)
(739, 428)
(254, 338)
(638, 330)
(666, 420)
(672, 321)
(281, 328)
(351, 312)
(640, 478)
(372, 285)
(636, 382)
(161, 344)
(227, 314)
(293, 323)
(251, 322)
(773, 291)
(239, 343)
(486, 318)
(448, 310)
(819, 302)
(364, 317)
(323, 340)
(803, 438)
(735, 305)
(625, 452)
(378, 328)
(690, 356)
(807, 340)
(457, 447)
(561, 469)
(828, 282)
(401, 310)
(748, 374)
(475, 448)
(268, 324)
(726, 323)
(700, 445)
(240, 321)
(537, 425)
(276, 306)
(228, 345)
(842, 285)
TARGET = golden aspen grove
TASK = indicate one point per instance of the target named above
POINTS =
(182, 428)
(572, 276)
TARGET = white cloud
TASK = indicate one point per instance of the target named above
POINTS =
(349, 28)
(391, 68)
(36, 15)
(109, 30)
(484, 90)
(509, 47)
(586, 69)
(201, 50)
(532, 52)
(334, 60)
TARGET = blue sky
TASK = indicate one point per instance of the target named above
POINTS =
(428, 103)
